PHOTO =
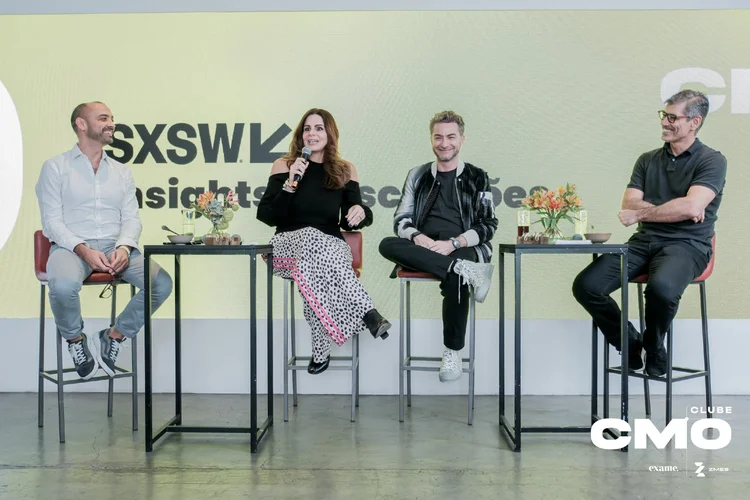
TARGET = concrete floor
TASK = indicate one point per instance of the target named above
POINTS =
(319, 454)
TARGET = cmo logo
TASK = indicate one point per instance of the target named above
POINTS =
(739, 91)
(11, 163)
(677, 429)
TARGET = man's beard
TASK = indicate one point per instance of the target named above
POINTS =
(99, 136)
(441, 156)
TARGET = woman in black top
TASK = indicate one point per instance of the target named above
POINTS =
(309, 202)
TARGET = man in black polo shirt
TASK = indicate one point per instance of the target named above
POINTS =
(674, 194)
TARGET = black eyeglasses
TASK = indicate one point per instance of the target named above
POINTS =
(670, 117)
(106, 292)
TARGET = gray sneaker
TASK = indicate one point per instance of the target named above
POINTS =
(83, 360)
(109, 348)
(478, 275)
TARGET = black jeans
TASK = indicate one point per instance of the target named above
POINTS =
(670, 265)
(455, 313)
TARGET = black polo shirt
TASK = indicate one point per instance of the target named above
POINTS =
(663, 177)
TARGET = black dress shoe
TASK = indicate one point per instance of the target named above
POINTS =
(377, 324)
(314, 368)
(656, 362)
(635, 354)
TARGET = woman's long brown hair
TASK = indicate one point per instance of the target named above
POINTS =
(337, 171)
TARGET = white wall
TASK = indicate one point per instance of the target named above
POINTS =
(556, 358)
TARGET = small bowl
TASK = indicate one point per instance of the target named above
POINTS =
(598, 237)
(180, 239)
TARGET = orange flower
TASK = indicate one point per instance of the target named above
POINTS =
(204, 199)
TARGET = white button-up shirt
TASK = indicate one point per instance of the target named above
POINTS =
(77, 204)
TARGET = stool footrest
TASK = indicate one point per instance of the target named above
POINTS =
(51, 375)
(292, 363)
(408, 360)
(691, 374)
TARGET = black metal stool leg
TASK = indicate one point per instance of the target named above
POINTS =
(286, 352)
(292, 328)
(408, 342)
(706, 356)
(357, 354)
(40, 394)
(354, 340)
(60, 395)
(111, 382)
(134, 371)
(472, 350)
(670, 345)
(401, 340)
(642, 324)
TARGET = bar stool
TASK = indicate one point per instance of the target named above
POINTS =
(691, 373)
(354, 240)
(56, 375)
(408, 276)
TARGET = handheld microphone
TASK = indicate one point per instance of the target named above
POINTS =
(306, 152)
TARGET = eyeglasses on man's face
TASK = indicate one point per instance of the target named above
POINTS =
(670, 117)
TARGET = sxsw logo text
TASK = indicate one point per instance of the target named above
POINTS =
(179, 143)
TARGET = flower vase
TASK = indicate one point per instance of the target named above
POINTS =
(551, 227)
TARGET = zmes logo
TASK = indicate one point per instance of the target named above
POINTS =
(699, 471)
(11, 164)
(739, 90)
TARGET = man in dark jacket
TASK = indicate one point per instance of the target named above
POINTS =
(444, 222)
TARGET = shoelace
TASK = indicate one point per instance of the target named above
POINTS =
(450, 361)
(468, 276)
(77, 352)
(114, 349)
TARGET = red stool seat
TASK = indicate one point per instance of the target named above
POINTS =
(408, 273)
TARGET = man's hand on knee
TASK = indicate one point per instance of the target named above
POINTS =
(119, 260)
(96, 260)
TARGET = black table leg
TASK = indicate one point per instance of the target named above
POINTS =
(269, 335)
(147, 348)
(177, 341)
(501, 315)
(253, 358)
(594, 369)
(624, 338)
(517, 348)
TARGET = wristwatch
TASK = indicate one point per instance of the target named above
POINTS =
(456, 243)
(414, 235)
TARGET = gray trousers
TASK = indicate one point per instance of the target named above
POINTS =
(66, 272)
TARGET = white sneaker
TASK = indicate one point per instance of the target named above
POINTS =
(476, 274)
(450, 368)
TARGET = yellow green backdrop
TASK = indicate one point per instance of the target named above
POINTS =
(548, 97)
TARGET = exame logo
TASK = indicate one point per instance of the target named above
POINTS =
(739, 89)
(11, 164)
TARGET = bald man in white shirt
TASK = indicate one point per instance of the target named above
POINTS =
(90, 212)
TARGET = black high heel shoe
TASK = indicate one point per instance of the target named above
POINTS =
(377, 324)
(314, 368)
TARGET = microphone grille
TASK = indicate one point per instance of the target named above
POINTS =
(306, 151)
